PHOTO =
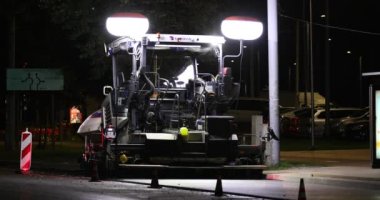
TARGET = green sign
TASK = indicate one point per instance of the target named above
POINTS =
(36, 79)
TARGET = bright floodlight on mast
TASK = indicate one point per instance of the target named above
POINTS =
(241, 28)
(127, 24)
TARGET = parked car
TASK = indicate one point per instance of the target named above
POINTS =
(356, 127)
(336, 114)
(298, 122)
(295, 122)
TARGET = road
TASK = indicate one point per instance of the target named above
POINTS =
(338, 174)
(57, 187)
(281, 189)
(40, 185)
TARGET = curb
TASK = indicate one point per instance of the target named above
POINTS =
(205, 190)
(326, 179)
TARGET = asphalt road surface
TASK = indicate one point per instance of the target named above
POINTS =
(347, 176)
(48, 186)
(42, 185)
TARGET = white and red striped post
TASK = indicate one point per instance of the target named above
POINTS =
(26, 152)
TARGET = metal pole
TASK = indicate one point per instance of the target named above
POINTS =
(290, 78)
(258, 77)
(360, 81)
(306, 55)
(327, 72)
(273, 78)
(297, 64)
(311, 73)
(114, 71)
(114, 77)
(52, 122)
(252, 66)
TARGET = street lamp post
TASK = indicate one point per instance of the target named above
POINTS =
(273, 78)
(311, 74)
(327, 70)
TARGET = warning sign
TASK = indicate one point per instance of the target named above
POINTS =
(75, 115)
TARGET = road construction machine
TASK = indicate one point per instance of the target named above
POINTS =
(167, 105)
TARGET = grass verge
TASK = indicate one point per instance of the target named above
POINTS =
(302, 144)
(65, 151)
(294, 164)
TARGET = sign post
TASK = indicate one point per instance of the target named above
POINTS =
(374, 92)
(26, 152)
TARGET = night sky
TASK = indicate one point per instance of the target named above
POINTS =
(353, 27)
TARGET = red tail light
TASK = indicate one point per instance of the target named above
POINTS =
(295, 121)
(294, 125)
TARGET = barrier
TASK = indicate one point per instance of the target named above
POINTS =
(26, 152)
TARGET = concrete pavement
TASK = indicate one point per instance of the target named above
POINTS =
(344, 167)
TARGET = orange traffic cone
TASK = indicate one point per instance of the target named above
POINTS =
(219, 188)
(302, 192)
(154, 183)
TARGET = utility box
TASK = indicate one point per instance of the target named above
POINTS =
(256, 129)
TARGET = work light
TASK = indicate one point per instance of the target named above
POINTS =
(241, 28)
(127, 24)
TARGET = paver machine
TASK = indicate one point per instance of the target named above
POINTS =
(167, 103)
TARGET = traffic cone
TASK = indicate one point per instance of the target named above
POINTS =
(94, 171)
(154, 183)
(301, 192)
(219, 188)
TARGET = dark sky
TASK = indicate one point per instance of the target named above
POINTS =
(353, 24)
(353, 27)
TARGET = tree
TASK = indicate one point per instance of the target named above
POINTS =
(84, 21)
(11, 9)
